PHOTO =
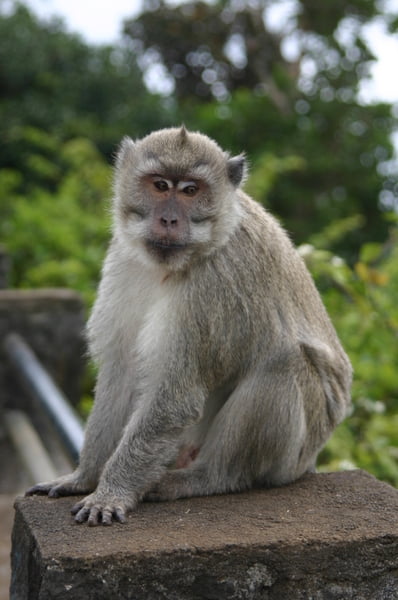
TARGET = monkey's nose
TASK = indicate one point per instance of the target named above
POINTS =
(168, 222)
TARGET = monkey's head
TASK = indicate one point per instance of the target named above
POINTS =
(175, 196)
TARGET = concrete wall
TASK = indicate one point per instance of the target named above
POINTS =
(52, 322)
(326, 537)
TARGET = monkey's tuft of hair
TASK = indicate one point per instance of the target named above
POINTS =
(183, 135)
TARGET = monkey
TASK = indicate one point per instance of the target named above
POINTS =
(219, 369)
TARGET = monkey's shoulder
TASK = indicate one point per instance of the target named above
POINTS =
(260, 225)
(259, 250)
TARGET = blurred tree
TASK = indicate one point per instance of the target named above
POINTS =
(362, 301)
(208, 49)
(285, 90)
(58, 230)
(52, 80)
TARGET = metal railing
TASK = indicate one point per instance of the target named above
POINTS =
(39, 384)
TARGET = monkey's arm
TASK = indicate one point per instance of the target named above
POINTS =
(103, 431)
(149, 444)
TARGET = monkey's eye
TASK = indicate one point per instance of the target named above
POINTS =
(190, 190)
(161, 185)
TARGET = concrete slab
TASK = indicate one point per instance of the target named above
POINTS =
(327, 536)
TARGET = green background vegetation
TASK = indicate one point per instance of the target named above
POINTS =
(321, 160)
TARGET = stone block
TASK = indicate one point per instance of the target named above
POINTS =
(325, 537)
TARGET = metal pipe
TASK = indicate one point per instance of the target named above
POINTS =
(29, 446)
(38, 383)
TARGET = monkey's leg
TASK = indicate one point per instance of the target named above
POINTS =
(111, 411)
(150, 442)
(259, 437)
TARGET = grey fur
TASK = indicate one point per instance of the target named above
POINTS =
(215, 352)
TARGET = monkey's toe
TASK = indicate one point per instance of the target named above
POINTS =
(38, 489)
(83, 515)
(98, 514)
(77, 507)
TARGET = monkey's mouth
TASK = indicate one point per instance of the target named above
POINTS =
(165, 248)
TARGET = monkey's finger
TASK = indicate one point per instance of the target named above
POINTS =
(107, 513)
(78, 506)
(119, 514)
(82, 515)
(94, 516)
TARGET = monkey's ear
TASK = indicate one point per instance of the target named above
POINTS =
(237, 169)
(124, 151)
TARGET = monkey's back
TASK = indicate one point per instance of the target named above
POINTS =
(254, 300)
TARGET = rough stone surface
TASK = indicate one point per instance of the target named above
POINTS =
(52, 322)
(6, 516)
(326, 537)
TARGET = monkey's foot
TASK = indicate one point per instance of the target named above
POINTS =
(67, 485)
(102, 509)
(175, 484)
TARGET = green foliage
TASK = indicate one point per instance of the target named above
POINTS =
(57, 233)
(362, 303)
(267, 170)
(52, 80)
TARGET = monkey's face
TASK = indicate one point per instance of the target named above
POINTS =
(180, 212)
(175, 197)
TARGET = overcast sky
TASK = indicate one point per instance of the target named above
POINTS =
(101, 22)
(98, 21)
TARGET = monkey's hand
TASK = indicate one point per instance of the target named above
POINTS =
(101, 508)
(67, 485)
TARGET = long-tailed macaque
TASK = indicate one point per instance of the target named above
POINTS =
(219, 369)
